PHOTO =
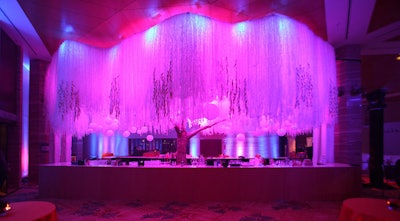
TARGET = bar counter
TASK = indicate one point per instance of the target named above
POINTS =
(194, 183)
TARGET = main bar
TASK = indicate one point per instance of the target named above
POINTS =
(199, 183)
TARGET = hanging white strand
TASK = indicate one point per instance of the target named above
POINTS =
(271, 75)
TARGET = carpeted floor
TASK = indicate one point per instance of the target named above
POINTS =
(98, 210)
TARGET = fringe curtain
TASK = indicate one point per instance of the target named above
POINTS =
(267, 75)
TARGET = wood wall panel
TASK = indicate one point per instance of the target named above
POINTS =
(39, 132)
(348, 139)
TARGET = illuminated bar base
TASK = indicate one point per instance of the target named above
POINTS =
(194, 184)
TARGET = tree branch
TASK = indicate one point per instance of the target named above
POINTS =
(177, 128)
(192, 134)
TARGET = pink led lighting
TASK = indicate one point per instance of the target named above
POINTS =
(25, 118)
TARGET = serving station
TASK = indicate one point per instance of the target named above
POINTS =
(164, 182)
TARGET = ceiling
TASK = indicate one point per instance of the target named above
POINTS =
(105, 23)
(40, 26)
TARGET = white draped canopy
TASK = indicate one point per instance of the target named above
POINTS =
(270, 74)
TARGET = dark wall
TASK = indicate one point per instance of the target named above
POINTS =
(210, 148)
(9, 61)
(383, 72)
(10, 108)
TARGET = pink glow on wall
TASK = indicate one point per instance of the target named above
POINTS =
(228, 145)
(240, 148)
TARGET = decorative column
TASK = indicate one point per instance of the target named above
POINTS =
(348, 129)
(376, 105)
(39, 131)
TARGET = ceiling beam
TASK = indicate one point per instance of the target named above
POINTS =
(17, 25)
(347, 21)
(336, 20)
